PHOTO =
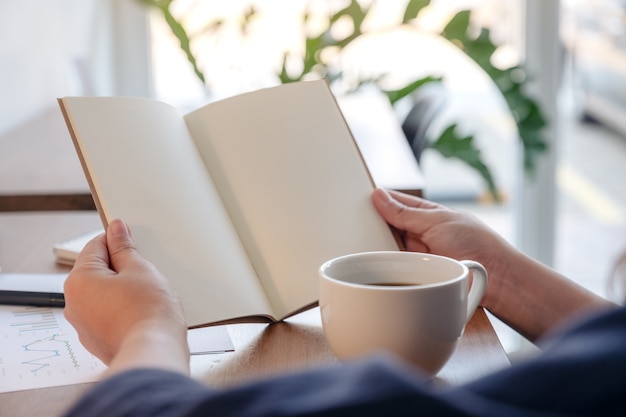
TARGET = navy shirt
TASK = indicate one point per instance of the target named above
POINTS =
(580, 372)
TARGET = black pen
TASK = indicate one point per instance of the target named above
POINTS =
(32, 298)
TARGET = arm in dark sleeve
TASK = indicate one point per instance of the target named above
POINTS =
(375, 387)
(140, 392)
(579, 373)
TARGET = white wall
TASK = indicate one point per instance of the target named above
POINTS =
(54, 48)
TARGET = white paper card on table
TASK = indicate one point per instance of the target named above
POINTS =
(32, 282)
(67, 251)
(40, 348)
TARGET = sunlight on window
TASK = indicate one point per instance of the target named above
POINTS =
(238, 55)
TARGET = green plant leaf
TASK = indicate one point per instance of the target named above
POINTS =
(457, 27)
(413, 8)
(179, 31)
(481, 49)
(356, 14)
(283, 75)
(478, 46)
(395, 95)
(451, 145)
(510, 81)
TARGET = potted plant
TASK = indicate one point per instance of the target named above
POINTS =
(319, 59)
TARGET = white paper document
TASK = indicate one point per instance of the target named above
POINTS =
(39, 348)
(67, 251)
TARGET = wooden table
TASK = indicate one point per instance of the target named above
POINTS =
(260, 350)
(42, 160)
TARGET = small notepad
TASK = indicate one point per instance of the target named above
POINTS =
(66, 252)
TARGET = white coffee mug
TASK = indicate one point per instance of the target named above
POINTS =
(414, 305)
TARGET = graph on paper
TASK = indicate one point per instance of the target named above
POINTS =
(39, 348)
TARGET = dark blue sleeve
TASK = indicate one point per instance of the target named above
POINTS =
(582, 372)
(140, 392)
(376, 387)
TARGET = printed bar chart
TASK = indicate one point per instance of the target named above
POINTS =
(32, 319)
(39, 348)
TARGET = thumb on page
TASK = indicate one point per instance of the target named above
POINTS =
(120, 244)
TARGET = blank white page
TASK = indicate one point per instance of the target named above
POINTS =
(144, 168)
(294, 182)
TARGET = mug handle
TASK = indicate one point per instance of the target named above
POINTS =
(479, 284)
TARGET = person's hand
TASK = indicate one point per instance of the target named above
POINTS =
(522, 292)
(122, 307)
(429, 227)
